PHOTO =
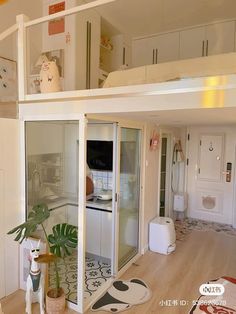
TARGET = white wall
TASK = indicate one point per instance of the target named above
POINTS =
(10, 211)
(8, 12)
(150, 183)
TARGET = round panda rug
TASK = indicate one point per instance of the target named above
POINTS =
(122, 295)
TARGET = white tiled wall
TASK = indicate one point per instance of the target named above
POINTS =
(102, 180)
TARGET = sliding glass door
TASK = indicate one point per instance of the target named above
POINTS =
(129, 195)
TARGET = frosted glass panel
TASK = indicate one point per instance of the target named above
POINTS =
(129, 195)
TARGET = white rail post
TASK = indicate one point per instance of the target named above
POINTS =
(21, 56)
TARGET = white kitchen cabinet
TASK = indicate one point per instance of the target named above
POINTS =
(106, 234)
(207, 40)
(99, 232)
(93, 231)
(157, 49)
(192, 43)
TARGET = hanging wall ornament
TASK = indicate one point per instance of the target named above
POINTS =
(211, 147)
(154, 141)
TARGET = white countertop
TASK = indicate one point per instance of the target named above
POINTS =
(63, 201)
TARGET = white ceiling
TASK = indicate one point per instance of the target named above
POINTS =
(185, 117)
(143, 17)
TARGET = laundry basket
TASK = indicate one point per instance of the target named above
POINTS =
(162, 235)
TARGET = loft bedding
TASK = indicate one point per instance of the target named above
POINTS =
(223, 64)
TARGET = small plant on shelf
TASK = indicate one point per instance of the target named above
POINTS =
(61, 242)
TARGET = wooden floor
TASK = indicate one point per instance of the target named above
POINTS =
(200, 257)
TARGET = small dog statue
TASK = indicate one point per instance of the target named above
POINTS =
(35, 282)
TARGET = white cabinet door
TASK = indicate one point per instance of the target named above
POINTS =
(192, 43)
(162, 48)
(93, 231)
(167, 46)
(106, 234)
(127, 52)
(220, 38)
(88, 21)
(143, 52)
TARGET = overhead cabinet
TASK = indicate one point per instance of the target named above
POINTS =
(190, 43)
(207, 40)
(157, 49)
(87, 49)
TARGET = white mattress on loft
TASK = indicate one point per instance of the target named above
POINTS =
(223, 64)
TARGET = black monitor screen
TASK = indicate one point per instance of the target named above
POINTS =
(100, 155)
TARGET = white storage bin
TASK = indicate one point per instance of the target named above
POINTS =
(162, 235)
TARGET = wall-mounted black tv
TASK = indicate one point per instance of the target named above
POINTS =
(100, 155)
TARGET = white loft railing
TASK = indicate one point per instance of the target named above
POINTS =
(8, 32)
(21, 26)
(67, 12)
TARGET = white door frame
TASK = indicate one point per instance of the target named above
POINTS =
(234, 196)
(132, 125)
(168, 195)
(81, 118)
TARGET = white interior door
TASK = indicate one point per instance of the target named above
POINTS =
(2, 236)
(210, 188)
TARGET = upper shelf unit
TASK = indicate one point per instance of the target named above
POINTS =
(184, 44)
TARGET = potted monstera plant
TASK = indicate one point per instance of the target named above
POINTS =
(61, 242)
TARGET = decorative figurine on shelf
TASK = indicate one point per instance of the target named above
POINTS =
(35, 282)
(49, 78)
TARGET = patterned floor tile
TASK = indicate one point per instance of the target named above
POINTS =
(96, 274)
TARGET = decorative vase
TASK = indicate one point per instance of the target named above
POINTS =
(55, 305)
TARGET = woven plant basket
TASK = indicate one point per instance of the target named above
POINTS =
(55, 305)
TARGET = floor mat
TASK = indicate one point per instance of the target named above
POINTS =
(224, 304)
(122, 295)
(96, 273)
(184, 227)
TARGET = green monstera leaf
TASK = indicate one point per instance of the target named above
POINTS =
(63, 239)
(36, 217)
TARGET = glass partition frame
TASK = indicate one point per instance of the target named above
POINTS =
(82, 121)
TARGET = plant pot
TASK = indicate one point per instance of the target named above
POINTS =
(55, 305)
